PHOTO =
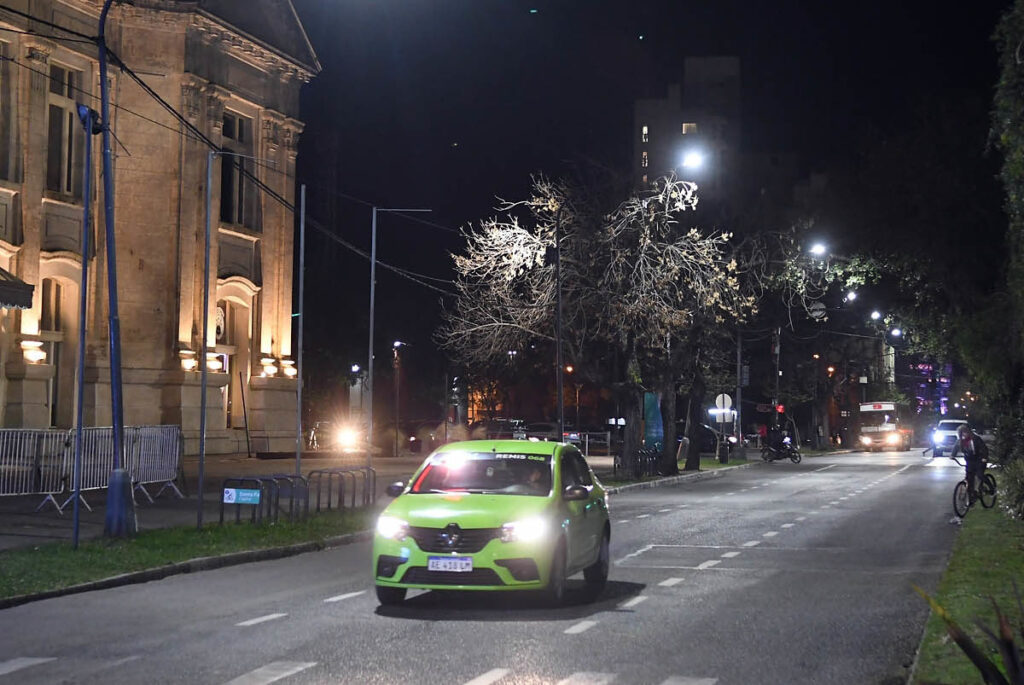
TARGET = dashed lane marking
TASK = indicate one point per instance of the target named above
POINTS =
(770, 534)
(637, 553)
(788, 525)
(729, 494)
(801, 518)
(633, 602)
(826, 468)
(730, 555)
(580, 627)
(492, 676)
(669, 582)
(643, 516)
(709, 564)
(261, 619)
(662, 511)
(683, 680)
(588, 678)
(347, 595)
(272, 672)
(752, 543)
(12, 665)
(622, 521)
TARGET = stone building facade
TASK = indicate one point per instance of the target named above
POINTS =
(233, 70)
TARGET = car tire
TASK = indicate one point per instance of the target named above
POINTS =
(596, 574)
(554, 592)
(389, 596)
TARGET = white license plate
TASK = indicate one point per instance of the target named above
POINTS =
(456, 564)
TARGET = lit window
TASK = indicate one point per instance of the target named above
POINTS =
(64, 136)
(644, 180)
(643, 135)
(643, 159)
(689, 128)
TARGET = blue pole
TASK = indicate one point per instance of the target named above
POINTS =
(118, 522)
(88, 118)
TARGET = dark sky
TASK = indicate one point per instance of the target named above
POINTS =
(403, 81)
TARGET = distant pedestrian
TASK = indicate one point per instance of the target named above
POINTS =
(762, 433)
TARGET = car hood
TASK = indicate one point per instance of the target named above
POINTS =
(468, 510)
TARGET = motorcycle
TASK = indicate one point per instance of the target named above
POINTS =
(785, 450)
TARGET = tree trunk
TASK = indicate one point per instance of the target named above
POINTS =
(695, 418)
(631, 437)
(668, 419)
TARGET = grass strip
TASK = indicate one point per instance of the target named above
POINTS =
(987, 556)
(56, 565)
(610, 480)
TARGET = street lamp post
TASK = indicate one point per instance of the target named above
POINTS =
(373, 286)
(397, 364)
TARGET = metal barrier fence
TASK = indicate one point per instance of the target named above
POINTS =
(41, 461)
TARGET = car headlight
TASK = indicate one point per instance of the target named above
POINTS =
(527, 530)
(347, 437)
(892, 439)
(865, 440)
(936, 438)
(392, 528)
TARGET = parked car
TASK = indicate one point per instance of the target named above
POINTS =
(548, 430)
(945, 435)
(496, 429)
(480, 516)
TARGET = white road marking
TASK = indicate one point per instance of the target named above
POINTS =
(709, 564)
(835, 501)
(347, 595)
(622, 521)
(683, 680)
(662, 511)
(669, 582)
(842, 498)
(770, 534)
(492, 676)
(730, 555)
(580, 627)
(801, 518)
(272, 672)
(121, 662)
(826, 506)
(637, 553)
(752, 543)
(814, 513)
(633, 602)
(826, 468)
(21, 662)
(588, 678)
(261, 619)
(788, 525)
(643, 516)
(729, 493)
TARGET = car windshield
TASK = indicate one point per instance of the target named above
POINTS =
(877, 418)
(948, 425)
(486, 472)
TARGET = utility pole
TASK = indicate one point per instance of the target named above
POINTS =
(738, 425)
(558, 324)
(776, 349)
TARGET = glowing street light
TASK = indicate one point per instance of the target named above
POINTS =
(693, 159)
(876, 315)
(896, 332)
(851, 296)
(818, 249)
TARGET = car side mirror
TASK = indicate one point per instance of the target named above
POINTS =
(395, 489)
(575, 493)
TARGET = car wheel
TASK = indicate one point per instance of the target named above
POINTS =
(596, 574)
(555, 590)
(389, 596)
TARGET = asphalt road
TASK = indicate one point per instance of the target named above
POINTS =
(780, 573)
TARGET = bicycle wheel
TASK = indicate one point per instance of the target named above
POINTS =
(987, 490)
(960, 501)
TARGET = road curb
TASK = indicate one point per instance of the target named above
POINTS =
(191, 566)
(681, 478)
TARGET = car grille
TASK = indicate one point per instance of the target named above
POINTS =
(469, 539)
(418, 575)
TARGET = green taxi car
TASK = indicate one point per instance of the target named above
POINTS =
(494, 515)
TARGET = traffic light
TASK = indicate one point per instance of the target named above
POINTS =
(780, 408)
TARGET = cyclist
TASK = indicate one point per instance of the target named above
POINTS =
(975, 453)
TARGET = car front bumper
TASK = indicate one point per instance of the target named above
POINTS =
(497, 566)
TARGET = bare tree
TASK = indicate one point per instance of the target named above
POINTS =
(639, 290)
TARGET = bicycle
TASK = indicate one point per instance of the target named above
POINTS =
(962, 499)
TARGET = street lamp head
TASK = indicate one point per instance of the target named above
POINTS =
(818, 249)
(876, 315)
(398, 343)
(896, 332)
(569, 368)
(355, 368)
(851, 296)
(693, 159)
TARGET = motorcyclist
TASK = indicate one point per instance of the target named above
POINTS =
(975, 453)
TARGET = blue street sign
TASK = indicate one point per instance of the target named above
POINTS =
(241, 496)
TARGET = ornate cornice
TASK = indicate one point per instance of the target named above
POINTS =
(231, 41)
